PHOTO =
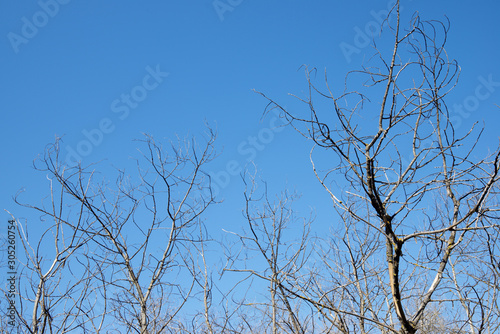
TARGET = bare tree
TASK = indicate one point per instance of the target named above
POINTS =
(126, 246)
(56, 279)
(416, 205)
(270, 227)
(164, 215)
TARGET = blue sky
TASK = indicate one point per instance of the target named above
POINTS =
(188, 63)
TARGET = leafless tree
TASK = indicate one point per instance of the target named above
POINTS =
(271, 227)
(55, 278)
(163, 214)
(417, 208)
(118, 256)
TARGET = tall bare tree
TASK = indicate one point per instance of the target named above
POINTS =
(417, 207)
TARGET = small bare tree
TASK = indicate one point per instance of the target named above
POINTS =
(271, 236)
(56, 280)
(121, 255)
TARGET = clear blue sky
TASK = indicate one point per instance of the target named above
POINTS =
(74, 71)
